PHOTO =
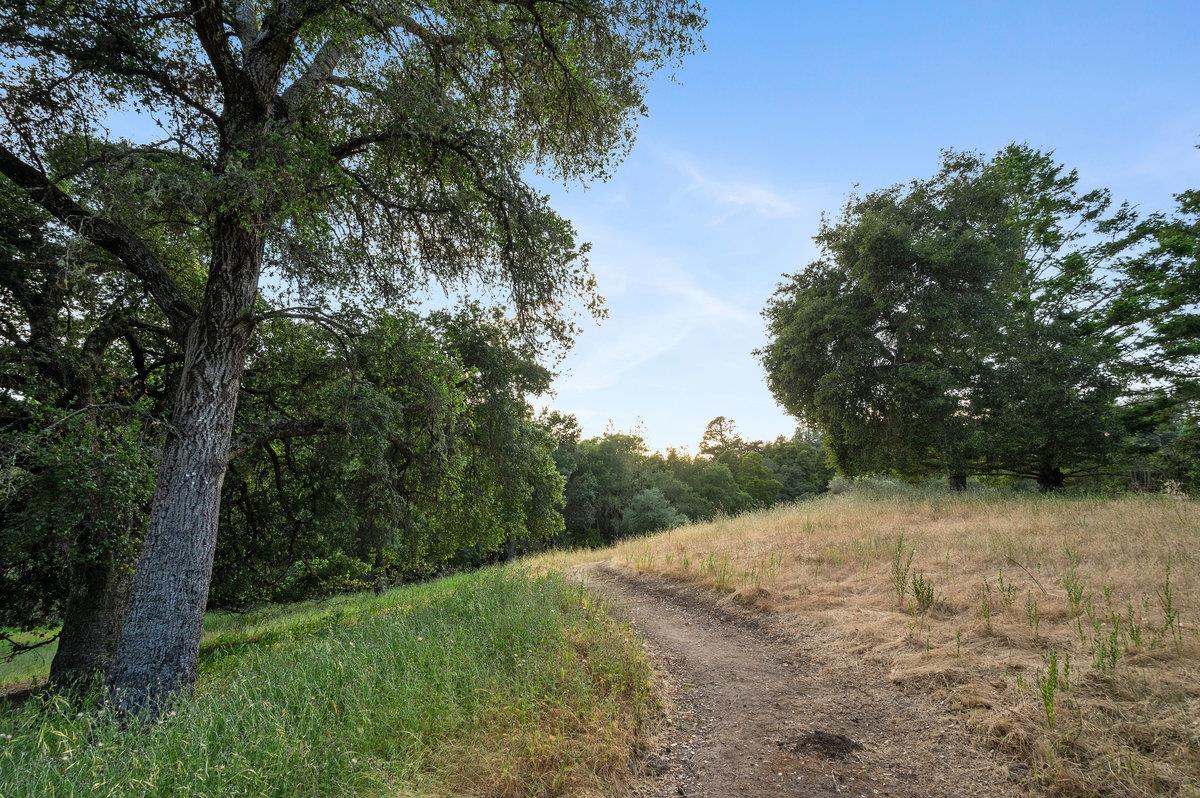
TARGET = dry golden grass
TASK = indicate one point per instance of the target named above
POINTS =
(1015, 580)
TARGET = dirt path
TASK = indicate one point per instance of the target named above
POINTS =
(756, 713)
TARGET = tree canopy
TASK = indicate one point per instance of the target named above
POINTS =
(994, 319)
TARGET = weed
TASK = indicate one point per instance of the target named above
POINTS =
(1132, 628)
(1047, 684)
(901, 566)
(720, 570)
(922, 589)
(958, 643)
(985, 605)
(1033, 614)
(1008, 591)
(766, 571)
(1166, 600)
(1106, 645)
(1074, 587)
(1089, 605)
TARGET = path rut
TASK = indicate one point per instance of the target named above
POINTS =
(758, 712)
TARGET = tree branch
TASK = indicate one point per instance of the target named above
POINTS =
(114, 238)
(210, 28)
(245, 21)
(283, 430)
(330, 54)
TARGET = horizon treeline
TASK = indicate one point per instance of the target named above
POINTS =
(616, 487)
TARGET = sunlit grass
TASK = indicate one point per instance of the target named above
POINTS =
(28, 667)
(490, 684)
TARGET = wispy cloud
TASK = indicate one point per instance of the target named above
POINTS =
(751, 196)
(1165, 162)
(638, 343)
(1172, 155)
(662, 305)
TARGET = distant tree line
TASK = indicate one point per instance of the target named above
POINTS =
(997, 320)
(615, 487)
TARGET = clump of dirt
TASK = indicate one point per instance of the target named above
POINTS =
(755, 597)
(827, 744)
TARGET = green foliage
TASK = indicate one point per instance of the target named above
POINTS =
(395, 157)
(368, 694)
(902, 558)
(874, 343)
(346, 156)
(414, 448)
(85, 367)
(324, 576)
(753, 476)
(80, 479)
(1048, 685)
(922, 590)
(996, 318)
(648, 511)
(800, 464)
(1172, 450)
(608, 476)
(715, 486)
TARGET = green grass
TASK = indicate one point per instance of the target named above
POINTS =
(28, 667)
(492, 684)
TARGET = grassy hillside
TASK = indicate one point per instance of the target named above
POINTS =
(490, 684)
(1011, 590)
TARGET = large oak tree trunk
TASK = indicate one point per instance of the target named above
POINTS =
(96, 605)
(1051, 478)
(160, 640)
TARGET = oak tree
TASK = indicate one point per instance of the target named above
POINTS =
(317, 153)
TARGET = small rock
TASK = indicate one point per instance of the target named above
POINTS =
(657, 764)
(1018, 771)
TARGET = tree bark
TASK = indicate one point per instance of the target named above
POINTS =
(956, 481)
(92, 617)
(160, 640)
(1051, 478)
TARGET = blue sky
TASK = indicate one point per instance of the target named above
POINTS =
(792, 105)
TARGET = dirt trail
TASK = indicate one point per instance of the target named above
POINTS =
(756, 712)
